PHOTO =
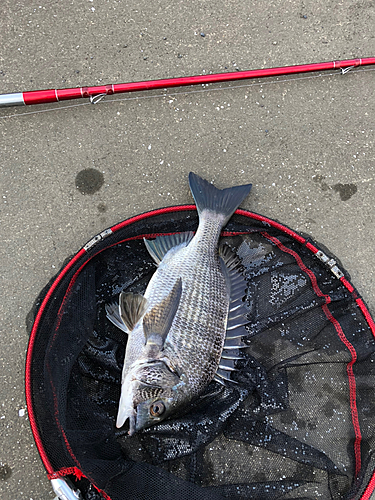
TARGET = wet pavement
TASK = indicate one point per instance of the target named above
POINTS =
(70, 170)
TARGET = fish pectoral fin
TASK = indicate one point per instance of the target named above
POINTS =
(113, 314)
(132, 307)
(162, 244)
(158, 321)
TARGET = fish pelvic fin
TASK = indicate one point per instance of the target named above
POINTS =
(132, 308)
(158, 321)
(221, 201)
(162, 244)
(113, 314)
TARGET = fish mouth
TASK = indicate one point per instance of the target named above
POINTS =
(128, 406)
(134, 423)
(136, 393)
(127, 411)
(130, 416)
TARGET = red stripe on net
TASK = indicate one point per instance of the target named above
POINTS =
(367, 315)
(369, 489)
(30, 352)
(348, 345)
(74, 471)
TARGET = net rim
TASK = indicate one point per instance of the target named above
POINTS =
(51, 472)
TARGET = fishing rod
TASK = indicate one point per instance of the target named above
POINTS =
(97, 92)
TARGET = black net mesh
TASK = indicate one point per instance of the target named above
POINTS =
(299, 423)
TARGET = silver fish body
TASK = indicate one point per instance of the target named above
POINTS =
(177, 335)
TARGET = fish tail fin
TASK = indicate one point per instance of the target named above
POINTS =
(221, 201)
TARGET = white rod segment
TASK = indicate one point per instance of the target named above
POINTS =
(15, 99)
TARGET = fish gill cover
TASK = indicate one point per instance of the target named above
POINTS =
(297, 425)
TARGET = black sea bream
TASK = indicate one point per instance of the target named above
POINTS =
(186, 330)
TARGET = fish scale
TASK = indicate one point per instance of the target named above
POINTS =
(178, 329)
(199, 312)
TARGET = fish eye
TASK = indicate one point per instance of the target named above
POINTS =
(157, 409)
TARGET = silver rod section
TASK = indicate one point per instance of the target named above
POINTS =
(15, 99)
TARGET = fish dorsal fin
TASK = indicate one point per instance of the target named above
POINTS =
(162, 244)
(236, 284)
(158, 321)
(132, 308)
(237, 314)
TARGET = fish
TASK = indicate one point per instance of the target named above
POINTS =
(186, 330)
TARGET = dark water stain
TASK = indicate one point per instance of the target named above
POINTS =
(346, 191)
(328, 388)
(102, 207)
(5, 472)
(321, 178)
(329, 409)
(89, 181)
(290, 417)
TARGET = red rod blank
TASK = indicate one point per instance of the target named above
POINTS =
(55, 95)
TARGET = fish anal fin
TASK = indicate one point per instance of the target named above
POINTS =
(158, 321)
(158, 247)
(132, 308)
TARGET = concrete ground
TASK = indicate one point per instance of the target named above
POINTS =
(306, 144)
